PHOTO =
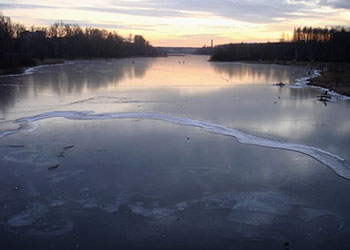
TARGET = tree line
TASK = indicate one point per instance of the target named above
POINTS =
(20, 46)
(307, 44)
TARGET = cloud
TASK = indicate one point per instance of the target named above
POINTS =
(200, 36)
(23, 6)
(249, 11)
(185, 20)
(136, 11)
(256, 11)
(342, 4)
(109, 25)
(253, 11)
(114, 9)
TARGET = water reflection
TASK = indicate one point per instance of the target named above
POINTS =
(242, 73)
(300, 93)
(73, 78)
(86, 75)
(51, 86)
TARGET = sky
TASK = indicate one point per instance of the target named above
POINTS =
(185, 22)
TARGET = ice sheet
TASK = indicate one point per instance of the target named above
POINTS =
(333, 161)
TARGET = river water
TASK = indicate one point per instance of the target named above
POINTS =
(171, 153)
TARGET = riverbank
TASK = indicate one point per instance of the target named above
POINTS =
(36, 63)
(286, 63)
(332, 76)
(336, 78)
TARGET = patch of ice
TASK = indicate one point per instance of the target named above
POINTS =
(20, 156)
(61, 176)
(309, 214)
(153, 210)
(257, 206)
(156, 212)
(49, 227)
(22, 128)
(220, 200)
(182, 205)
(90, 204)
(110, 206)
(35, 155)
(250, 218)
(56, 203)
(333, 161)
(260, 208)
(304, 81)
(265, 202)
(332, 93)
(29, 215)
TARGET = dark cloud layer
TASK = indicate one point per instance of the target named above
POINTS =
(343, 4)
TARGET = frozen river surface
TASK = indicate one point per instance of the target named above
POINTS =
(171, 153)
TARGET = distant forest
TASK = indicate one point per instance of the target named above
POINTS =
(22, 47)
(308, 44)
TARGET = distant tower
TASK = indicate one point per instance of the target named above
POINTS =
(212, 43)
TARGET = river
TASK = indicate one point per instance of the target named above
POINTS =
(172, 153)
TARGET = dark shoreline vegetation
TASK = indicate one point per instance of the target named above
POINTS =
(20, 48)
(309, 46)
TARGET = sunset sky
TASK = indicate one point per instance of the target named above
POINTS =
(185, 22)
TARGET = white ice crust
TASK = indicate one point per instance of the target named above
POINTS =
(333, 161)
(304, 81)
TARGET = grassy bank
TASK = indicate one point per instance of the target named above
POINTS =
(336, 78)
